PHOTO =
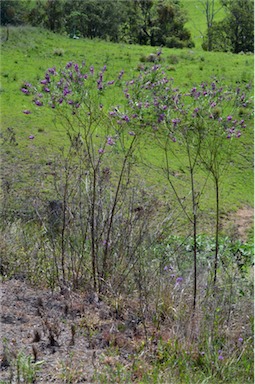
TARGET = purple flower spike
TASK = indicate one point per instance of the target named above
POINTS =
(240, 339)
(179, 280)
(52, 71)
(31, 137)
(110, 141)
(229, 118)
(68, 65)
(131, 133)
(221, 357)
(47, 78)
(100, 151)
(25, 91)
(44, 81)
(38, 103)
(46, 89)
(27, 112)
(91, 70)
(121, 74)
(161, 117)
(175, 122)
(66, 91)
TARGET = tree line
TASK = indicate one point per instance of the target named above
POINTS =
(144, 22)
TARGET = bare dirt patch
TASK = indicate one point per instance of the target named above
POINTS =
(70, 332)
(242, 221)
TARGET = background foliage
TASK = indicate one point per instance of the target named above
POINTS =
(145, 22)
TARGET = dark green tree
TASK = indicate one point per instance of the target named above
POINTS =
(93, 18)
(240, 21)
(145, 22)
(157, 22)
(37, 15)
(48, 14)
(13, 12)
(170, 22)
(55, 17)
(235, 33)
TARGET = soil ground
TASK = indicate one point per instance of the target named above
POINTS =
(70, 332)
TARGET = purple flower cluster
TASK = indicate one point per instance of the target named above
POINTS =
(26, 88)
(67, 86)
(150, 98)
(110, 141)
(233, 127)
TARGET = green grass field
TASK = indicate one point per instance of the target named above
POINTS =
(29, 52)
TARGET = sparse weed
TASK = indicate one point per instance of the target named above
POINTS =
(22, 368)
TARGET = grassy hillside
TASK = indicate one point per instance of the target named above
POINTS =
(29, 52)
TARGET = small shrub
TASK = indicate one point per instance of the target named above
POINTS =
(173, 59)
(58, 52)
(140, 67)
(151, 58)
